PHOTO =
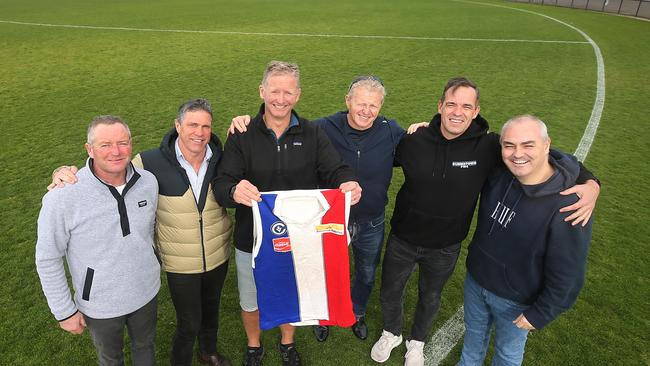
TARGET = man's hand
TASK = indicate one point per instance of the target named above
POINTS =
(74, 324)
(588, 194)
(63, 174)
(239, 123)
(353, 187)
(522, 323)
(412, 128)
(245, 192)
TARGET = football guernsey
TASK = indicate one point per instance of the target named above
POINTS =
(300, 258)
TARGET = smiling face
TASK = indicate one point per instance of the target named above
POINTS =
(280, 92)
(194, 132)
(364, 105)
(457, 110)
(525, 149)
(110, 150)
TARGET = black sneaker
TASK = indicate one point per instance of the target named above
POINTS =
(360, 329)
(290, 356)
(253, 356)
(321, 332)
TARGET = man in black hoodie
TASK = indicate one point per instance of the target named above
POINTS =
(525, 264)
(445, 166)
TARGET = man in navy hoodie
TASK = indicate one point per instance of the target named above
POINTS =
(526, 263)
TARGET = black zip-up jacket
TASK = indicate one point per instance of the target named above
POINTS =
(371, 159)
(523, 250)
(303, 158)
(442, 182)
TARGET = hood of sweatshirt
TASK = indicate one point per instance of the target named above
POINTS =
(566, 171)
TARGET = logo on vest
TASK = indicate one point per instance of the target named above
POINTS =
(281, 245)
(142, 203)
(337, 229)
(279, 228)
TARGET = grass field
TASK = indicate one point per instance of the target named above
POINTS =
(54, 79)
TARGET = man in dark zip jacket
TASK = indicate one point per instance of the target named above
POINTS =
(525, 264)
(280, 151)
(366, 141)
(445, 165)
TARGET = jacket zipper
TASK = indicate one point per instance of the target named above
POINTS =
(200, 230)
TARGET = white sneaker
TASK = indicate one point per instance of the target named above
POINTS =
(414, 353)
(381, 350)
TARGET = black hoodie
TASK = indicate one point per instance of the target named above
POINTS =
(442, 182)
(523, 250)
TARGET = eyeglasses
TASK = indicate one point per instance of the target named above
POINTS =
(363, 78)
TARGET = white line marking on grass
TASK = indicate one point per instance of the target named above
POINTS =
(411, 38)
(446, 338)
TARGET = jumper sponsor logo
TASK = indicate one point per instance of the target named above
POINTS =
(281, 245)
(337, 229)
(503, 214)
(297, 143)
(142, 203)
(463, 164)
(279, 228)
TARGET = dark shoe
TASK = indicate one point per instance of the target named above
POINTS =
(321, 332)
(213, 360)
(360, 329)
(253, 356)
(290, 356)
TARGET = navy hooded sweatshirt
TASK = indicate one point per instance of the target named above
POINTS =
(523, 250)
(370, 153)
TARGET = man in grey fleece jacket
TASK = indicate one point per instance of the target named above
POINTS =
(104, 227)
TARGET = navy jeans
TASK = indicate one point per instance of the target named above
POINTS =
(367, 239)
(108, 336)
(436, 266)
(196, 298)
(483, 309)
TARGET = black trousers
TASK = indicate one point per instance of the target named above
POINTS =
(196, 298)
(108, 336)
(436, 266)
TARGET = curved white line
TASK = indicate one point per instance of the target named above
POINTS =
(446, 338)
(596, 112)
(412, 38)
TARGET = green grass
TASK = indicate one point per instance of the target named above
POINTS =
(54, 80)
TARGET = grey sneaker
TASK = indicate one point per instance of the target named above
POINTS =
(381, 350)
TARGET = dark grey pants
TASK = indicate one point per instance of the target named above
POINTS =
(435, 265)
(108, 336)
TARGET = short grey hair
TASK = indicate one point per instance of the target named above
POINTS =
(281, 67)
(525, 117)
(104, 120)
(369, 82)
(193, 105)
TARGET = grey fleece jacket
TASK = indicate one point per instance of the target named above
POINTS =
(107, 240)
